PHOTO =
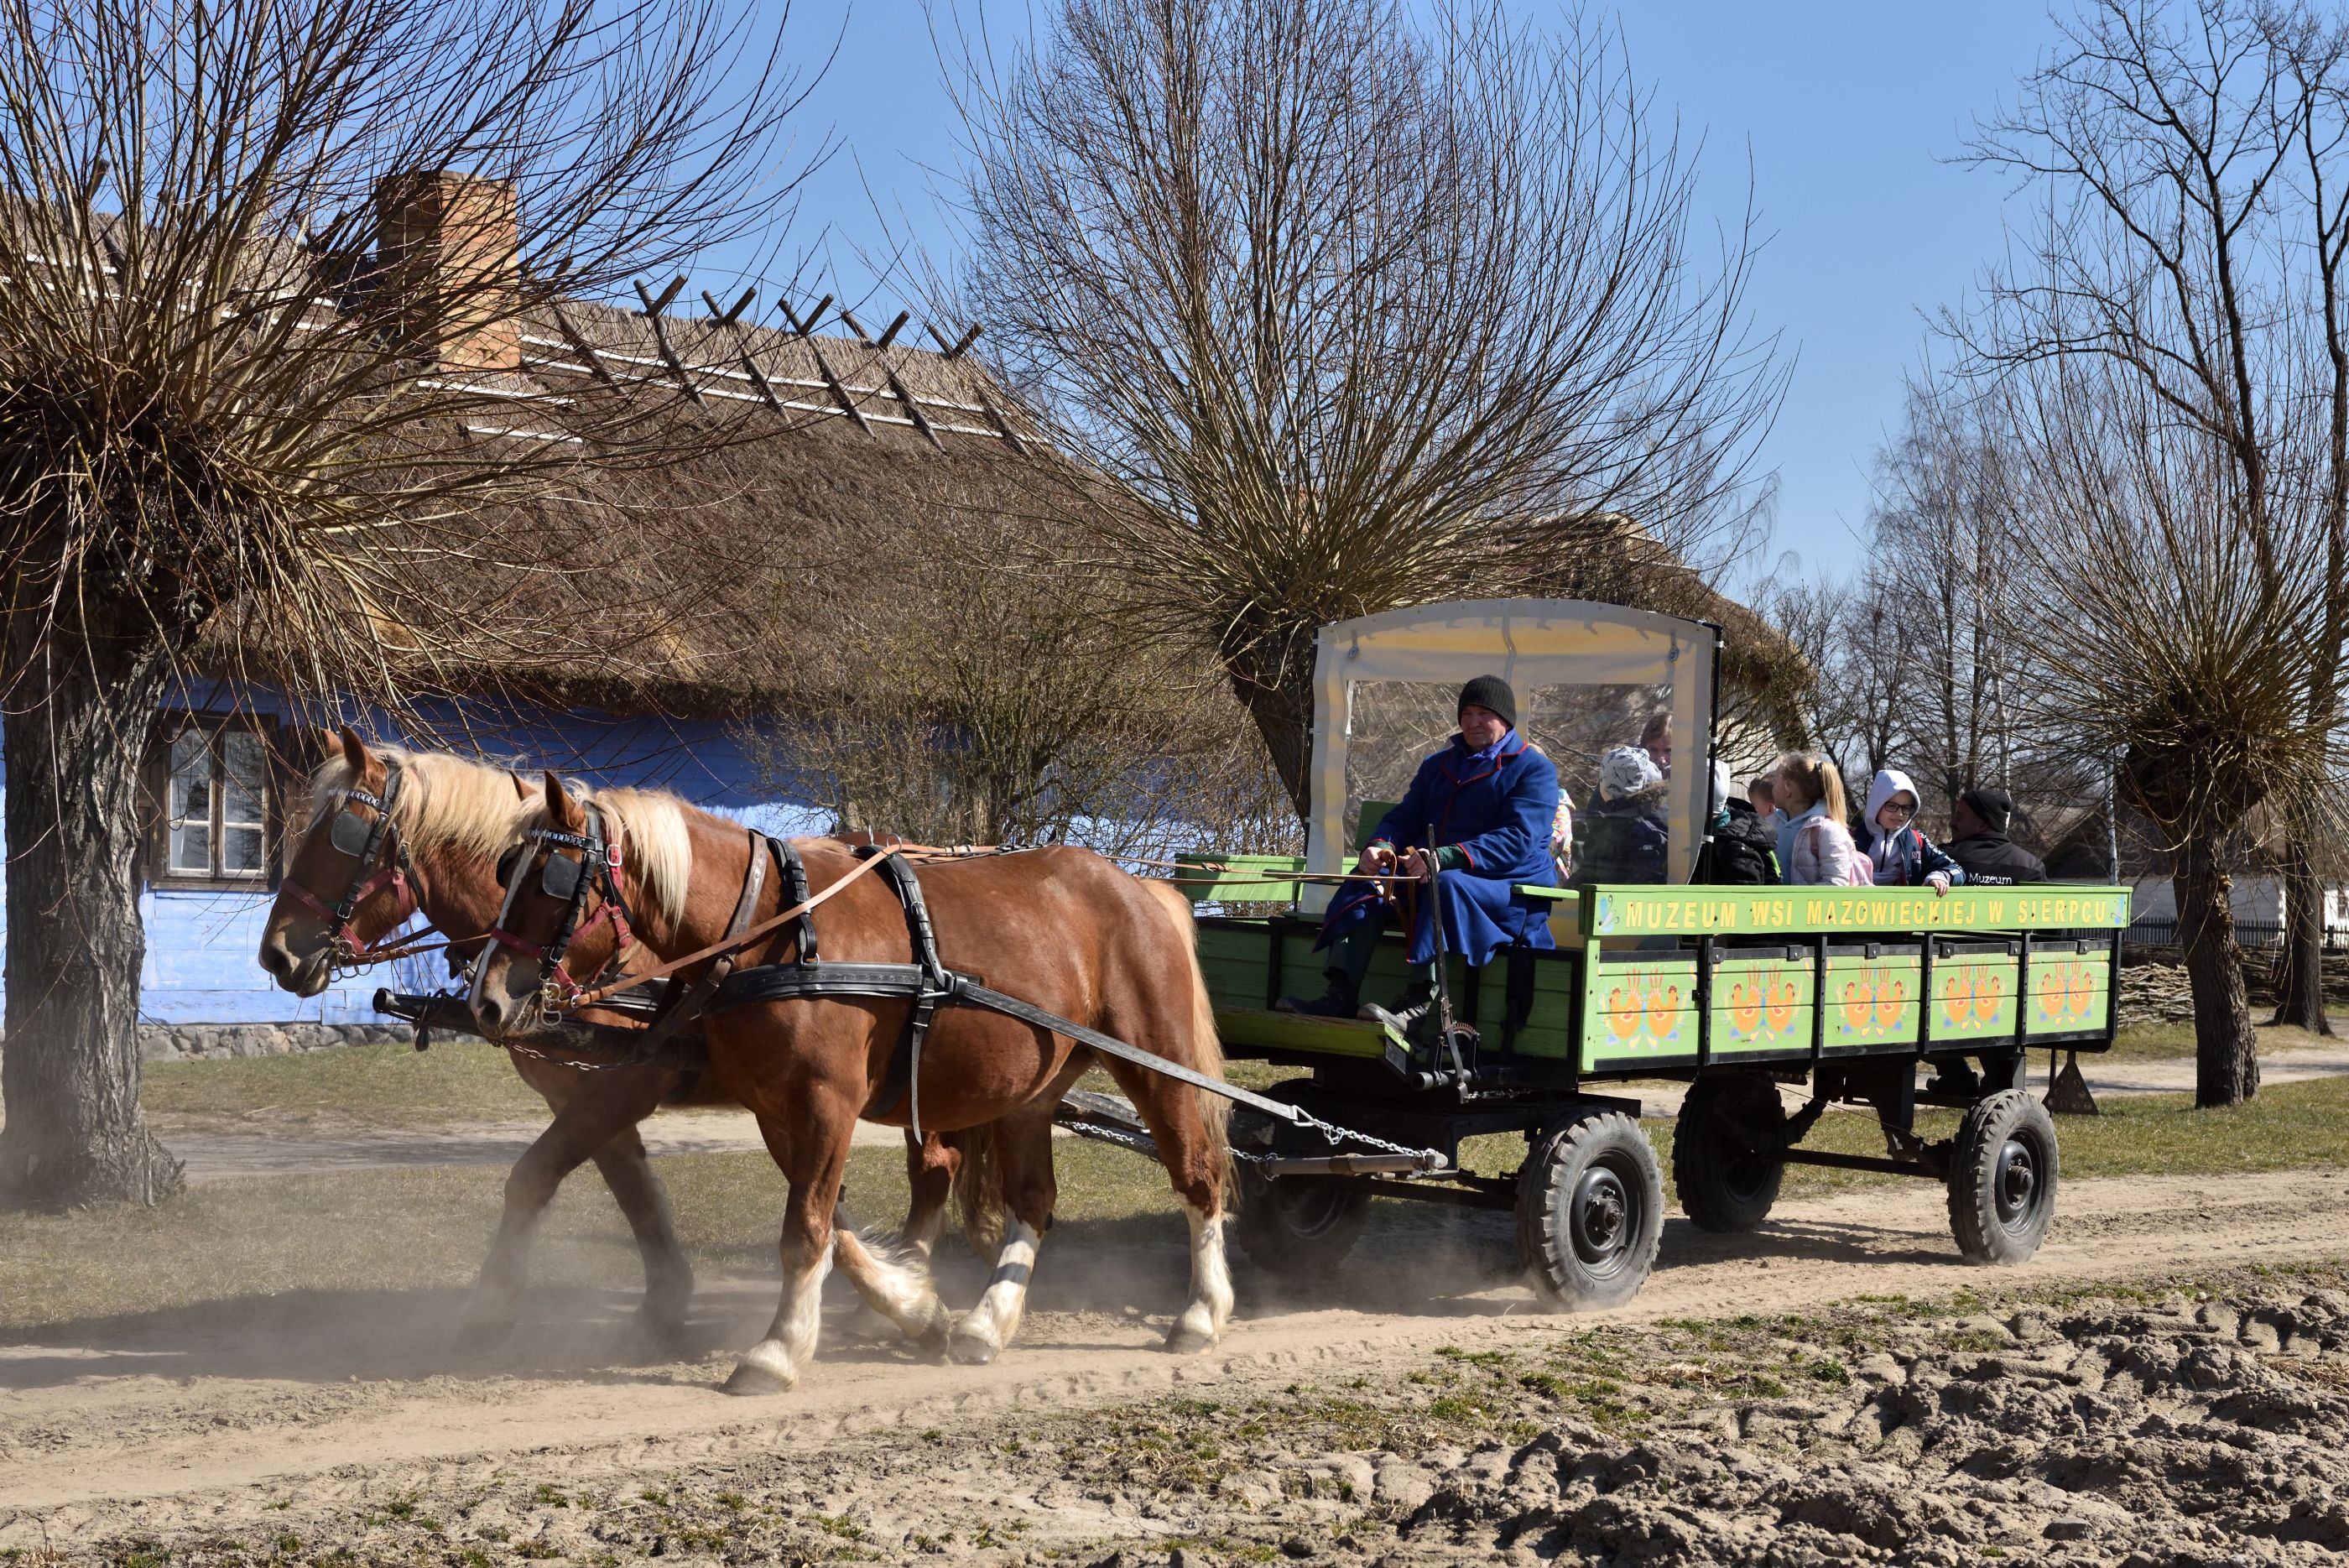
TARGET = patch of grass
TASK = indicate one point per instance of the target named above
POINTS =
(2288, 1127)
(368, 1085)
(2170, 1041)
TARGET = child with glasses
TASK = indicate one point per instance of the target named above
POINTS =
(1897, 848)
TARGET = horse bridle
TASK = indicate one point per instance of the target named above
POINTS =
(598, 868)
(380, 860)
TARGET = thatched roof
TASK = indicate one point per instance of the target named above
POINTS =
(694, 588)
(708, 585)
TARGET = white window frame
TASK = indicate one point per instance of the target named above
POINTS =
(216, 728)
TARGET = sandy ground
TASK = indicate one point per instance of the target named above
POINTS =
(228, 1418)
(213, 1153)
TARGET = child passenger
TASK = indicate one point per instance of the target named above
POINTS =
(1898, 850)
(1626, 836)
(1815, 847)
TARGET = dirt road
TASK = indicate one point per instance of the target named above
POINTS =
(214, 1152)
(210, 1418)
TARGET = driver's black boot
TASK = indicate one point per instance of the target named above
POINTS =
(1349, 961)
(1409, 1011)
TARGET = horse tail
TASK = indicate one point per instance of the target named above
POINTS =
(979, 1190)
(1206, 1047)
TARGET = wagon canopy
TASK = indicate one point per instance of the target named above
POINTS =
(1587, 676)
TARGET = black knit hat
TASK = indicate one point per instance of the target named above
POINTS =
(1994, 806)
(1492, 691)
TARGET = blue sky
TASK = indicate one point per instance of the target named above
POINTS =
(1849, 113)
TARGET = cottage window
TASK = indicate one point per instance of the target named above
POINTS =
(216, 804)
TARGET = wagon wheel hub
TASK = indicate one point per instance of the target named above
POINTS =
(2014, 1184)
(1602, 1214)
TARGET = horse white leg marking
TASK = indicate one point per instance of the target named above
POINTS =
(1202, 1323)
(979, 1337)
(900, 1294)
(772, 1366)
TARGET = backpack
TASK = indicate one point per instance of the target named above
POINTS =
(1743, 853)
(1861, 872)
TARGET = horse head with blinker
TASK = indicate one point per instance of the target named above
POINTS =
(348, 880)
(564, 926)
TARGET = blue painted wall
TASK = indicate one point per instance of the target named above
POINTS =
(201, 942)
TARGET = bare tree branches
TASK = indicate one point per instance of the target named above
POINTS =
(1362, 314)
(224, 374)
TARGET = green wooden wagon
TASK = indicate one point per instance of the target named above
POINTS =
(1741, 992)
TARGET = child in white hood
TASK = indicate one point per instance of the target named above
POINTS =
(1898, 850)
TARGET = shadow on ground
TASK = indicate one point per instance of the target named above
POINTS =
(1098, 1284)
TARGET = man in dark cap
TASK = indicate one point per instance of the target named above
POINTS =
(1490, 801)
(1977, 841)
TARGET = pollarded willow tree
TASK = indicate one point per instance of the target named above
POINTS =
(1365, 305)
(2194, 161)
(2179, 640)
(267, 267)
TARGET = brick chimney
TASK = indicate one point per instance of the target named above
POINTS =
(449, 256)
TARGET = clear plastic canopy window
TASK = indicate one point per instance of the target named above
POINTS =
(1533, 643)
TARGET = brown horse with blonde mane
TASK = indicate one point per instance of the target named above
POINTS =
(1061, 928)
(449, 821)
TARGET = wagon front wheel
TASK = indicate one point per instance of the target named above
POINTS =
(2002, 1179)
(1297, 1225)
(1590, 1209)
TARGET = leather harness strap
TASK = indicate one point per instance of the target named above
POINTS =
(792, 982)
(687, 1008)
(798, 911)
(904, 1080)
(925, 981)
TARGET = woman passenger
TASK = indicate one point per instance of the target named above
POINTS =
(1815, 847)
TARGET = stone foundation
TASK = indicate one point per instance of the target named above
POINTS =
(213, 1042)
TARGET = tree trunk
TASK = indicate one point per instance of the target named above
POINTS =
(79, 721)
(2300, 976)
(2226, 1048)
(1280, 700)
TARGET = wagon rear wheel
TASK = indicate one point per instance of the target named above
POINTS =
(1299, 1225)
(2002, 1179)
(1727, 1161)
(1591, 1209)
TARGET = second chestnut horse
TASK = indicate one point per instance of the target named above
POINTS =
(1060, 928)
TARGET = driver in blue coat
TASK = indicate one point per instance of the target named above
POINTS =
(1491, 801)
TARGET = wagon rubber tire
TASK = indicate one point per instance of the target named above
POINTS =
(1590, 1209)
(1725, 1187)
(1299, 1226)
(2002, 1176)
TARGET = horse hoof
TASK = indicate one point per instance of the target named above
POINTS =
(971, 1350)
(1184, 1340)
(763, 1372)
